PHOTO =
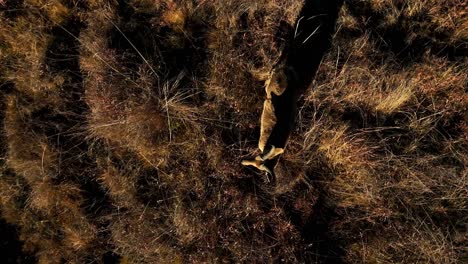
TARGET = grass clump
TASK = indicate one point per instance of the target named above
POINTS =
(123, 125)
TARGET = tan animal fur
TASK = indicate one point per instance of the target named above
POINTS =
(275, 84)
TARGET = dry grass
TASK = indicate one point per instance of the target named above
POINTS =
(124, 125)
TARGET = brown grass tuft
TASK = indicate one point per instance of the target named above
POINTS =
(123, 124)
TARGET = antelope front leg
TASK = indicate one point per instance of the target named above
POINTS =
(272, 153)
(257, 163)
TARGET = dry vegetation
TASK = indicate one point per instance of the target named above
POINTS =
(124, 124)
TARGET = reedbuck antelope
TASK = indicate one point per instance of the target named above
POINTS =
(291, 77)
